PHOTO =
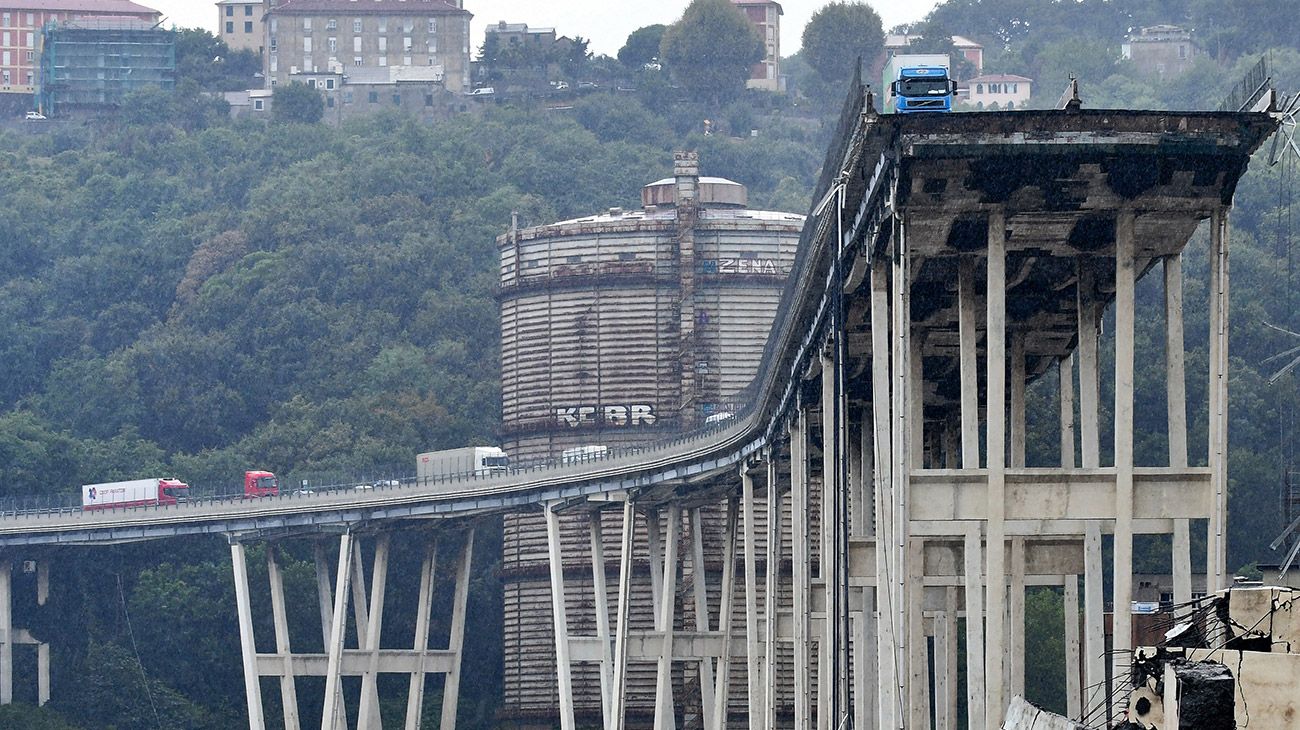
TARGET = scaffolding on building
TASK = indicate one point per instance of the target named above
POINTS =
(97, 62)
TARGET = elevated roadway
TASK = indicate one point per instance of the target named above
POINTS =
(950, 261)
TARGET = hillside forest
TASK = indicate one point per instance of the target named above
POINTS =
(186, 294)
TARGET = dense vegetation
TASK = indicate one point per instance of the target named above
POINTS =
(188, 295)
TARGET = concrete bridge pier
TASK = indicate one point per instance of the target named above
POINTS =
(11, 636)
(369, 658)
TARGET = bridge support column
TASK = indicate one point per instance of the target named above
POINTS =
(700, 594)
(288, 689)
(753, 656)
(1073, 690)
(247, 644)
(772, 592)
(1096, 688)
(799, 542)
(456, 636)
(974, 593)
(619, 684)
(333, 715)
(1176, 403)
(423, 614)
(368, 712)
(889, 691)
(600, 600)
(563, 668)
(6, 631)
(1217, 532)
(995, 422)
(722, 690)
(1125, 302)
(664, 717)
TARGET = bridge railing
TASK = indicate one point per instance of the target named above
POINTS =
(309, 485)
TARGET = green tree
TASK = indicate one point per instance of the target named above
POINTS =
(837, 37)
(297, 102)
(207, 60)
(711, 49)
(642, 46)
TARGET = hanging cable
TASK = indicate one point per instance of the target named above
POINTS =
(121, 597)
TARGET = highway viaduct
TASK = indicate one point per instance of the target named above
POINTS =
(951, 260)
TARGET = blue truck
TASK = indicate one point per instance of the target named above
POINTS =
(918, 82)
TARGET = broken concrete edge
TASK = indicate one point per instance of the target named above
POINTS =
(1021, 715)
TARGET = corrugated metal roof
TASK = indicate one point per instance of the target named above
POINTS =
(370, 7)
(104, 7)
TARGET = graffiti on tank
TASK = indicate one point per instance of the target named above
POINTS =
(616, 415)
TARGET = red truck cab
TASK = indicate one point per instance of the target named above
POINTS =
(260, 484)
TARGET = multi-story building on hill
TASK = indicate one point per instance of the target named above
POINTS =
(1162, 51)
(93, 64)
(239, 23)
(314, 36)
(766, 17)
(21, 22)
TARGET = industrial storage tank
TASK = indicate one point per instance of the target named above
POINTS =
(630, 326)
(618, 329)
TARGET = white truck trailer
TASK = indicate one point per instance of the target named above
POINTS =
(467, 461)
(134, 493)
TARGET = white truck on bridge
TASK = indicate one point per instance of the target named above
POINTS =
(134, 493)
(466, 461)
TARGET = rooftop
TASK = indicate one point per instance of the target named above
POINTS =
(100, 7)
(370, 7)
(999, 78)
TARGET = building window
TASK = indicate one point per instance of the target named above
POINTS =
(31, 40)
(1182, 51)
(347, 97)
(248, 26)
(329, 84)
(397, 99)
(230, 26)
(383, 60)
(433, 43)
(356, 44)
(29, 78)
(258, 105)
(7, 59)
(273, 25)
(383, 44)
(306, 44)
(329, 102)
(408, 24)
(374, 97)
(406, 60)
(31, 56)
(428, 99)
(979, 88)
(356, 61)
(273, 44)
(6, 77)
(383, 25)
(406, 44)
(6, 40)
(230, 12)
(307, 65)
(31, 19)
(306, 23)
(433, 25)
(275, 63)
(248, 11)
(333, 45)
(331, 24)
(356, 25)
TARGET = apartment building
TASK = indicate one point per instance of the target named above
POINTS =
(240, 24)
(21, 22)
(313, 36)
(766, 17)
